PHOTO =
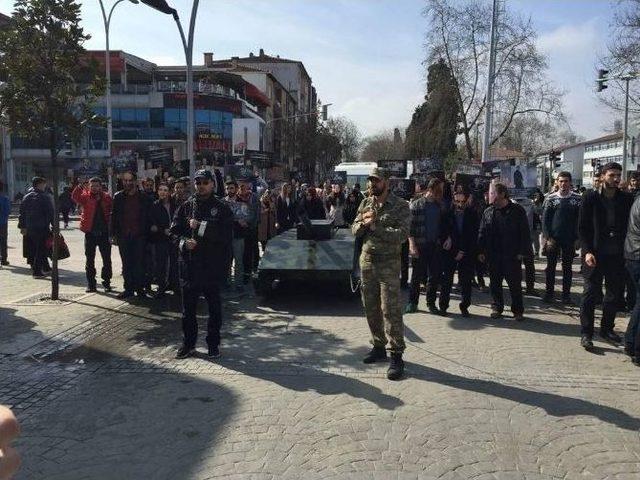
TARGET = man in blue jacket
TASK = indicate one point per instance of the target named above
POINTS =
(5, 209)
(36, 216)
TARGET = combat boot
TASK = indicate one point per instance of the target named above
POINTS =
(396, 367)
(376, 354)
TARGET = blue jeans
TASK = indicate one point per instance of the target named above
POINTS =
(632, 336)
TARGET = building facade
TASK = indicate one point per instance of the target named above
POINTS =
(148, 109)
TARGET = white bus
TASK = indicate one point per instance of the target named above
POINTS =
(357, 172)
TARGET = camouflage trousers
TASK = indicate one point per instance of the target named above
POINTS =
(380, 291)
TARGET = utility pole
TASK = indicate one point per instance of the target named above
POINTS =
(486, 140)
(187, 44)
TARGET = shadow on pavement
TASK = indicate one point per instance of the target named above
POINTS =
(80, 420)
(555, 405)
(271, 346)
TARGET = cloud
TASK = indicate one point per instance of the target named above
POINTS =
(572, 50)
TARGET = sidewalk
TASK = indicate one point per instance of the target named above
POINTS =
(101, 396)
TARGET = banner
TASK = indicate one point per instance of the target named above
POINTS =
(339, 177)
(474, 185)
(402, 187)
(428, 165)
(396, 168)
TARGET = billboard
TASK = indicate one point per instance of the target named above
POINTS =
(247, 135)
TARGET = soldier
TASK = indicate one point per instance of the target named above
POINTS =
(382, 224)
(202, 229)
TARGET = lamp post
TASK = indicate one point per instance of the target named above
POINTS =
(107, 64)
(187, 44)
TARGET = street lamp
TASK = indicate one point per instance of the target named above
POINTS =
(187, 44)
(107, 65)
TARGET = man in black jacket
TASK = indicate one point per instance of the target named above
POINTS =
(560, 229)
(602, 226)
(129, 230)
(36, 216)
(311, 206)
(504, 240)
(202, 228)
(463, 225)
(632, 257)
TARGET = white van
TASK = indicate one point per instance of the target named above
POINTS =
(357, 172)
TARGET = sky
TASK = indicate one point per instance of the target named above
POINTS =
(364, 56)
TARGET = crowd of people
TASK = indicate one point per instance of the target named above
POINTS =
(208, 243)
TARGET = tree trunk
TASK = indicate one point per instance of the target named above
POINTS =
(55, 279)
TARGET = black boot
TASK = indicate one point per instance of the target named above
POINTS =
(376, 354)
(396, 367)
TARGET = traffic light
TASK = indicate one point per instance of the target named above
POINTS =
(554, 159)
(601, 81)
(325, 112)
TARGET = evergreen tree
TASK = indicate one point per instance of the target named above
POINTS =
(49, 88)
(434, 125)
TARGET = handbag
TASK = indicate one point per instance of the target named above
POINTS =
(63, 249)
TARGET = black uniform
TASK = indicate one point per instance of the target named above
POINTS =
(204, 269)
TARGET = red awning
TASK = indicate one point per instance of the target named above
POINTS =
(256, 96)
(115, 60)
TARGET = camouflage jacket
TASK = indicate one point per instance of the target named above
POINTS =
(391, 226)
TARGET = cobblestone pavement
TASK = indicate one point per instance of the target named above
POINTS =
(100, 396)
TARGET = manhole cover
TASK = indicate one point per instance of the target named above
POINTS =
(44, 298)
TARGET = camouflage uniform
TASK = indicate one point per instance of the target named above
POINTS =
(380, 267)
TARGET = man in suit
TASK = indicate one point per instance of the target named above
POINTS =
(463, 227)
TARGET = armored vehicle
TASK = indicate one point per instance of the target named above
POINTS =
(315, 251)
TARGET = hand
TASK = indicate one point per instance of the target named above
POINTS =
(114, 241)
(167, 232)
(482, 258)
(154, 229)
(459, 256)
(447, 244)
(520, 257)
(9, 430)
(191, 244)
(368, 218)
(23, 231)
(413, 251)
(590, 260)
(194, 224)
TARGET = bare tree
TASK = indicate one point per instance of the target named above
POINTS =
(623, 55)
(387, 145)
(531, 135)
(349, 136)
(458, 33)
